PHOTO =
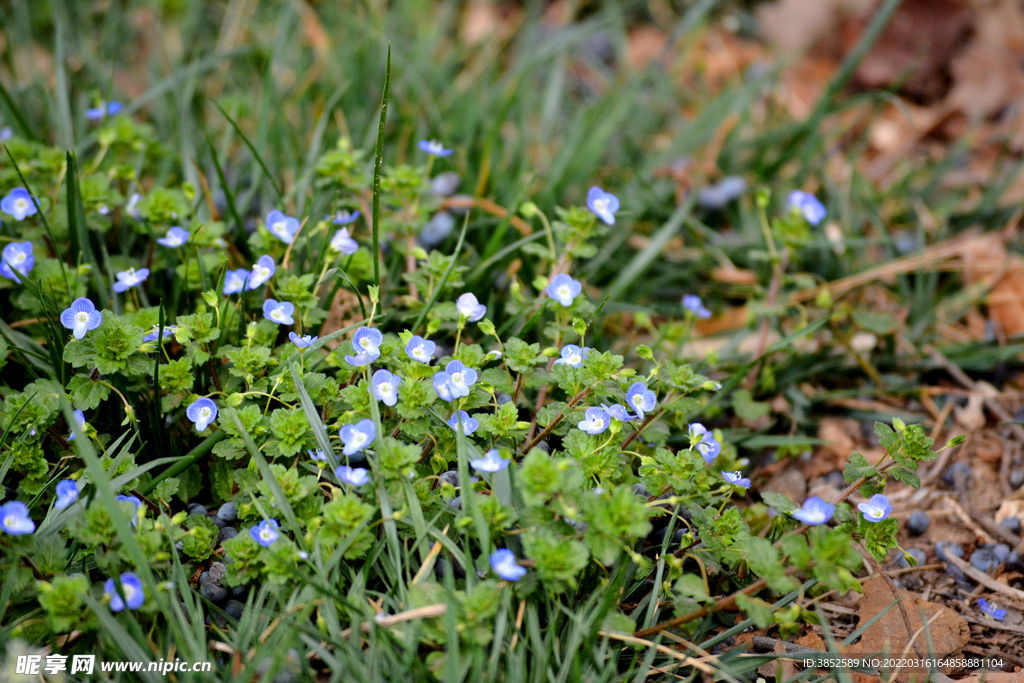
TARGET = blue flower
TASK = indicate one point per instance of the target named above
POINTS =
(318, 455)
(503, 562)
(460, 377)
(279, 312)
(491, 462)
(131, 208)
(435, 148)
(815, 511)
(130, 278)
(420, 349)
(573, 355)
(17, 258)
(619, 412)
(155, 332)
(736, 479)
(67, 493)
(266, 532)
(704, 441)
(175, 237)
(343, 243)
(358, 436)
(641, 399)
(19, 203)
(234, 280)
(807, 205)
(97, 113)
(353, 476)
(203, 411)
(131, 588)
(876, 509)
(136, 505)
(469, 424)
(282, 227)
(81, 317)
(385, 386)
(343, 217)
(564, 289)
(14, 519)
(80, 419)
(596, 421)
(443, 386)
(6, 134)
(261, 272)
(692, 304)
(366, 343)
(603, 204)
(468, 306)
(302, 342)
(991, 611)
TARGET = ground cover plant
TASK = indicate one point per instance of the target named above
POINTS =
(278, 397)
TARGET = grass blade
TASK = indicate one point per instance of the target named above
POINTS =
(252, 149)
(377, 162)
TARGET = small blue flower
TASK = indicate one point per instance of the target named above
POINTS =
(131, 208)
(81, 317)
(461, 378)
(596, 421)
(641, 399)
(443, 386)
(305, 341)
(603, 204)
(704, 441)
(175, 237)
(131, 588)
(279, 312)
(491, 462)
(19, 203)
(358, 436)
(366, 343)
(14, 519)
(155, 332)
(318, 455)
(564, 289)
(282, 227)
(469, 424)
(203, 411)
(341, 242)
(468, 306)
(234, 280)
(343, 217)
(385, 386)
(261, 272)
(420, 349)
(352, 476)
(876, 509)
(136, 505)
(736, 479)
(80, 419)
(434, 147)
(6, 134)
(17, 258)
(807, 205)
(266, 532)
(67, 493)
(815, 511)
(991, 611)
(619, 412)
(104, 109)
(573, 355)
(503, 562)
(693, 304)
(130, 278)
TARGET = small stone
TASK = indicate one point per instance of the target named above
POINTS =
(945, 548)
(196, 509)
(228, 512)
(1011, 524)
(214, 592)
(455, 503)
(205, 579)
(1017, 478)
(984, 560)
(445, 184)
(450, 477)
(1014, 562)
(239, 591)
(641, 490)
(234, 609)
(217, 521)
(917, 555)
(918, 523)
(217, 571)
(955, 471)
(504, 398)
(227, 533)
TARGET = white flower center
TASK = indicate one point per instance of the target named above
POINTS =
(574, 359)
(10, 521)
(277, 314)
(598, 422)
(280, 226)
(260, 272)
(601, 204)
(419, 352)
(564, 293)
(21, 204)
(358, 439)
(128, 590)
(204, 413)
(267, 534)
(18, 258)
(457, 377)
(82, 317)
(637, 400)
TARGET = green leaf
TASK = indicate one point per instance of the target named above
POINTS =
(880, 537)
(778, 501)
(87, 393)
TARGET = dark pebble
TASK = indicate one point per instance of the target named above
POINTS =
(196, 509)
(239, 591)
(657, 537)
(218, 570)
(641, 490)
(1014, 562)
(917, 555)
(450, 477)
(957, 469)
(217, 521)
(234, 609)
(215, 593)
(984, 560)
(917, 523)
(504, 398)
(205, 579)
(945, 548)
(1001, 550)
(1017, 478)
(226, 533)
(455, 503)
(228, 512)
(1011, 524)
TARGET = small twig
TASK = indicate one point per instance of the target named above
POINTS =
(962, 515)
(896, 594)
(984, 579)
(554, 423)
